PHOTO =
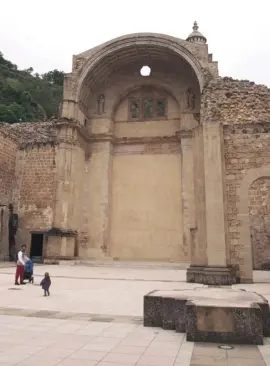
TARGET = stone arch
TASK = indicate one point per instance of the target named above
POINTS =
(245, 249)
(97, 65)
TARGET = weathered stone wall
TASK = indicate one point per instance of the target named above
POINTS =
(235, 102)
(244, 110)
(246, 147)
(8, 149)
(27, 174)
(34, 195)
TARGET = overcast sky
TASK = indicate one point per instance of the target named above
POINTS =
(45, 34)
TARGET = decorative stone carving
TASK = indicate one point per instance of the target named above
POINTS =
(191, 99)
(78, 63)
(101, 104)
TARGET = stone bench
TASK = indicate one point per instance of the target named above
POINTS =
(167, 309)
(223, 321)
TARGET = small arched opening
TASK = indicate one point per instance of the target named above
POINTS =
(259, 217)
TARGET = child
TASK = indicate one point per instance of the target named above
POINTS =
(46, 283)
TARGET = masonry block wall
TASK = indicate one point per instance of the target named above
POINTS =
(36, 170)
(259, 203)
(244, 110)
(8, 149)
(27, 175)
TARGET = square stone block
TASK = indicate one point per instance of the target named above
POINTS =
(220, 321)
(168, 319)
(152, 310)
(180, 315)
(263, 304)
(166, 309)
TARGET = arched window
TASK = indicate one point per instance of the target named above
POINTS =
(147, 106)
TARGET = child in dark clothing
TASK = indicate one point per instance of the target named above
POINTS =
(45, 284)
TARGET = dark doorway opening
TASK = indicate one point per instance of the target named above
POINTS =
(36, 250)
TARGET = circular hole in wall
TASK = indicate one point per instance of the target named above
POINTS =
(145, 71)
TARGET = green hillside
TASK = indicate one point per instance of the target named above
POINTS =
(25, 96)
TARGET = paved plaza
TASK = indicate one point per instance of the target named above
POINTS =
(94, 317)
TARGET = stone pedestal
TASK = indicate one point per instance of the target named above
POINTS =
(195, 274)
(222, 321)
(211, 275)
(219, 276)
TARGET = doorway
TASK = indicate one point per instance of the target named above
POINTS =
(36, 251)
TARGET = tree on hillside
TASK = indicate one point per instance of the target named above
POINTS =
(54, 77)
(26, 96)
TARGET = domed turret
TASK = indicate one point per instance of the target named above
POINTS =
(196, 36)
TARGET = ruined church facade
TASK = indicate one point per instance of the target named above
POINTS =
(170, 166)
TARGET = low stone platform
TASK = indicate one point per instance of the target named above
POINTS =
(220, 321)
(173, 310)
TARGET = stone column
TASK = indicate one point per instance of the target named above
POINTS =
(195, 272)
(217, 272)
(61, 240)
(187, 190)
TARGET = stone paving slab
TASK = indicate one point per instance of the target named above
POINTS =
(47, 314)
(37, 341)
(210, 354)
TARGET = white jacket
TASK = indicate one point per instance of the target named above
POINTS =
(22, 259)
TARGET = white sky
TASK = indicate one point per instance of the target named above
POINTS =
(45, 34)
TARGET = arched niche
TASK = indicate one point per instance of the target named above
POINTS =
(243, 216)
(158, 52)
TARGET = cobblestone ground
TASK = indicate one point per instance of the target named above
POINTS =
(94, 317)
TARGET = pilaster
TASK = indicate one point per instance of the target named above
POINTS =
(98, 199)
(187, 190)
(70, 157)
(198, 231)
(218, 270)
